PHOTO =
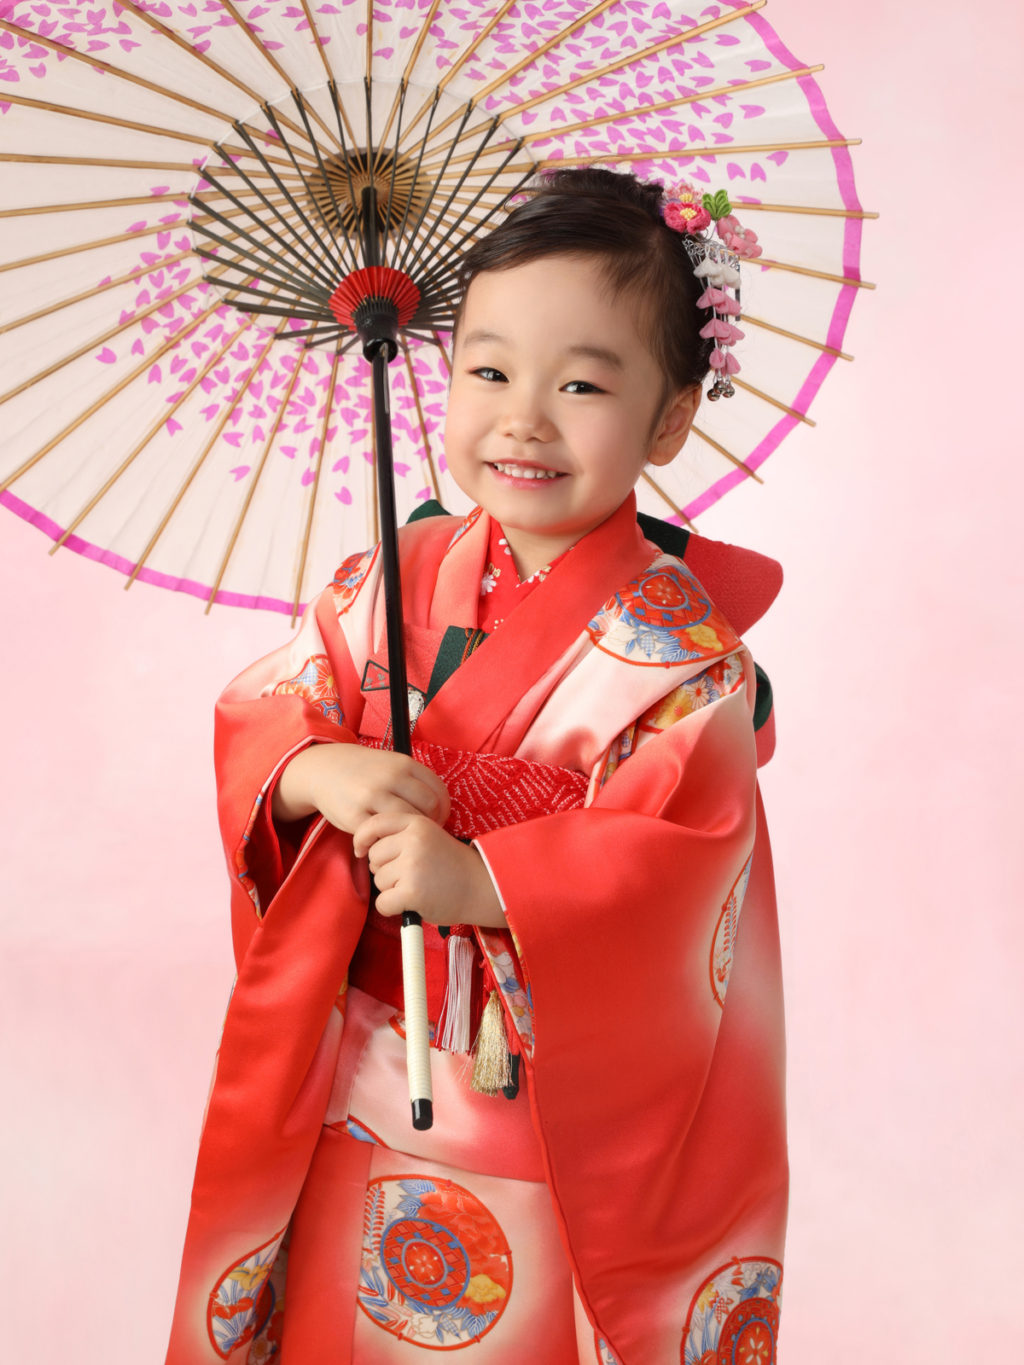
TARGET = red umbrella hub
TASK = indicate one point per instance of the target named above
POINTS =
(370, 291)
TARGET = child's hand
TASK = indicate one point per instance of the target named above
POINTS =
(419, 866)
(348, 783)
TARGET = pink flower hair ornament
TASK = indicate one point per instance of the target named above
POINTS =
(716, 263)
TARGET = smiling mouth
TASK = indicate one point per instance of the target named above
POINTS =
(524, 471)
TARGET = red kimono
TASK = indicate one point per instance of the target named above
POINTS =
(629, 1204)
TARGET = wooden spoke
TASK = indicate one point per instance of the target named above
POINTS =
(30, 160)
(427, 452)
(403, 84)
(137, 273)
(459, 62)
(814, 211)
(137, 450)
(813, 274)
(665, 497)
(444, 354)
(134, 454)
(775, 402)
(94, 204)
(795, 336)
(152, 22)
(715, 445)
(507, 76)
(121, 384)
(95, 245)
(258, 474)
(112, 120)
(724, 149)
(307, 534)
(629, 59)
(100, 341)
(208, 447)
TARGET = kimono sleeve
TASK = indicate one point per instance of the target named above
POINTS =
(304, 693)
(614, 911)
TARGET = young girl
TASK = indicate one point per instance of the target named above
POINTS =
(606, 1178)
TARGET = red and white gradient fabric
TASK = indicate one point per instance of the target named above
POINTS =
(641, 980)
(152, 423)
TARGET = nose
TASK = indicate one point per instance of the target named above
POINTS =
(525, 417)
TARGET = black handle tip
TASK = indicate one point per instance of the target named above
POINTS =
(422, 1114)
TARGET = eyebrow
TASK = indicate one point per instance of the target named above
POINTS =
(580, 352)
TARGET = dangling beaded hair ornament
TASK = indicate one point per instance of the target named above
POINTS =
(717, 265)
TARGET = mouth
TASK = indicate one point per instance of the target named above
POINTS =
(524, 471)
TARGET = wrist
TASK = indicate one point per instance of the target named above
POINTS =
(295, 792)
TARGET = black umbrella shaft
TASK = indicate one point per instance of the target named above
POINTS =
(398, 687)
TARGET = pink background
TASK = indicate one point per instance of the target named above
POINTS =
(889, 798)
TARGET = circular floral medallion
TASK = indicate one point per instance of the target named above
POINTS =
(749, 1334)
(723, 941)
(664, 617)
(436, 1267)
(243, 1300)
(734, 1315)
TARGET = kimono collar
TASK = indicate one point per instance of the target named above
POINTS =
(478, 707)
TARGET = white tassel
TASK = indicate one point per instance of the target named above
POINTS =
(455, 1028)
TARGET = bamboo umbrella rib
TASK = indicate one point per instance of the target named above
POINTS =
(795, 336)
(70, 111)
(91, 60)
(137, 450)
(710, 440)
(428, 453)
(99, 341)
(254, 481)
(665, 497)
(268, 56)
(459, 62)
(510, 74)
(630, 59)
(693, 151)
(205, 452)
(404, 263)
(291, 200)
(444, 354)
(94, 204)
(316, 39)
(813, 274)
(164, 263)
(327, 180)
(110, 394)
(95, 245)
(303, 258)
(421, 38)
(640, 111)
(211, 65)
(436, 243)
(813, 210)
(105, 161)
(307, 534)
(775, 402)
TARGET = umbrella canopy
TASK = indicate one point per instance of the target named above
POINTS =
(185, 194)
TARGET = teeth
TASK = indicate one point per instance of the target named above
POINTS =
(518, 471)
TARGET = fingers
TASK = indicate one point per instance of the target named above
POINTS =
(372, 831)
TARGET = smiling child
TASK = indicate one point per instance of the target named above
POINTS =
(579, 828)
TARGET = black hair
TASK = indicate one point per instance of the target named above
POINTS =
(615, 218)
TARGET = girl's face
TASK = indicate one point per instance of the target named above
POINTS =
(555, 405)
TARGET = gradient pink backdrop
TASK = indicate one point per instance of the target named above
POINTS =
(889, 798)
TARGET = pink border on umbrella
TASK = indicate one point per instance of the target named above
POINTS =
(161, 580)
(847, 294)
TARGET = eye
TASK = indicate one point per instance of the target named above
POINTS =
(490, 374)
(580, 386)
